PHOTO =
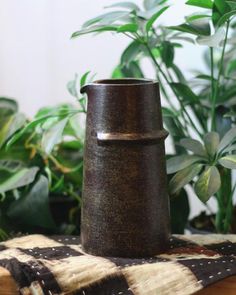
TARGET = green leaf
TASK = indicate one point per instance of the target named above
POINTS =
(32, 209)
(7, 107)
(177, 163)
(183, 177)
(95, 29)
(128, 5)
(222, 6)
(226, 17)
(167, 53)
(83, 79)
(152, 20)
(133, 70)
(179, 218)
(208, 4)
(167, 112)
(130, 53)
(232, 4)
(185, 92)
(21, 178)
(230, 148)
(53, 136)
(151, 4)
(12, 124)
(178, 74)
(213, 40)
(194, 146)
(131, 28)
(196, 17)
(231, 67)
(228, 161)
(187, 28)
(211, 141)
(228, 138)
(106, 19)
(208, 184)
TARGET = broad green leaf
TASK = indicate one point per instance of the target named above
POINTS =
(117, 72)
(150, 4)
(13, 124)
(211, 142)
(232, 4)
(200, 23)
(21, 178)
(128, 5)
(187, 28)
(38, 122)
(230, 148)
(226, 17)
(95, 29)
(183, 177)
(152, 20)
(83, 79)
(130, 53)
(222, 6)
(131, 28)
(167, 112)
(133, 69)
(196, 17)
(228, 161)
(178, 74)
(231, 67)
(213, 40)
(194, 146)
(11, 166)
(167, 53)
(32, 209)
(228, 138)
(177, 163)
(201, 3)
(179, 218)
(106, 18)
(7, 107)
(208, 184)
(185, 92)
(53, 136)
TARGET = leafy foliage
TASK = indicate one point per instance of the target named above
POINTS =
(205, 108)
(39, 160)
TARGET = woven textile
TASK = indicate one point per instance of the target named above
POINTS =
(57, 265)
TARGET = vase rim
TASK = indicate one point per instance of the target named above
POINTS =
(125, 81)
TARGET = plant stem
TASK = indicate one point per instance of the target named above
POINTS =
(176, 94)
(216, 88)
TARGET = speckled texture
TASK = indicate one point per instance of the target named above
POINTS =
(125, 204)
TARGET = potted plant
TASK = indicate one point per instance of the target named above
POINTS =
(41, 167)
(200, 113)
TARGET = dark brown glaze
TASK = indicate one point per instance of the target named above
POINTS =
(125, 209)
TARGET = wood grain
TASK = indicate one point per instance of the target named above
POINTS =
(224, 287)
(7, 283)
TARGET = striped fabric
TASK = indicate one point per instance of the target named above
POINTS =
(57, 265)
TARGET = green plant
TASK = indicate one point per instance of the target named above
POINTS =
(203, 108)
(40, 161)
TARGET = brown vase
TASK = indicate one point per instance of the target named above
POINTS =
(125, 209)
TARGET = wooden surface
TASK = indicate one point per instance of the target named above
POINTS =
(225, 287)
(7, 284)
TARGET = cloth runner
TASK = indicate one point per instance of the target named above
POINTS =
(57, 265)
